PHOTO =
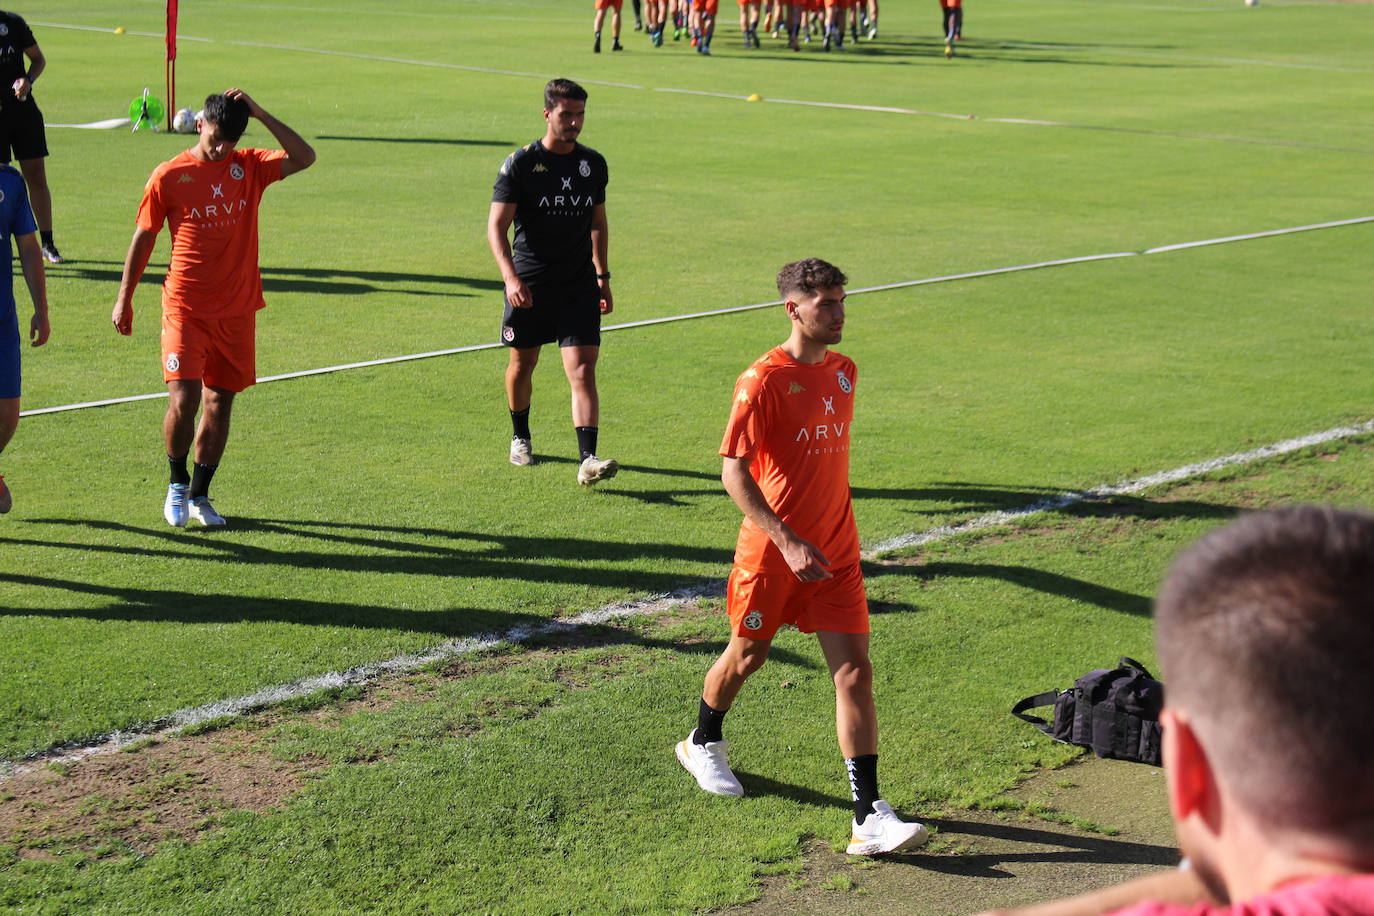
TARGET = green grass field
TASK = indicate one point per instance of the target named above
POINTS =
(372, 511)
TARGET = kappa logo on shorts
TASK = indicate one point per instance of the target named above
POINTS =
(753, 620)
(584, 169)
(236, 172)
(173, 362)
(507, 333)
(845, 385)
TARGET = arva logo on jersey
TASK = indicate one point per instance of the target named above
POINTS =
(217, 211)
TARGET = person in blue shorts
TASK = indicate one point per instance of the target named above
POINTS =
(16, 222)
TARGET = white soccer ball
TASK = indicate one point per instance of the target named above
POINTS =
(1252, 2)
(184, 121)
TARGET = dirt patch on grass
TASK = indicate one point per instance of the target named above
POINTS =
(1078, 828)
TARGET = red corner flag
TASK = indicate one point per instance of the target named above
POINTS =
(171, 67)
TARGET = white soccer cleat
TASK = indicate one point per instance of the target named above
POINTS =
(706, 762)
(520, 454)
(596, 469)
(203, 512)
(882, 831)
(174, 509)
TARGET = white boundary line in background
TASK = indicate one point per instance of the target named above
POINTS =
(364, 674)
(738, 308)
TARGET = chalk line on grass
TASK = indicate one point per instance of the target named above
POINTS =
(367, 673)
(1038, 265)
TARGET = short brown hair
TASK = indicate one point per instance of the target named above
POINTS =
(1265, 632)
(809, 275)
(557, 90)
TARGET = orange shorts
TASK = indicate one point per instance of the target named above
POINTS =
(760, 603)
(709, 7)
(609, 4)
(219, 352)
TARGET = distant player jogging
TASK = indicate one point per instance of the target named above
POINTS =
(786, 465)
(208, 196)
(557, 276)
(22, 135)
(17, 224)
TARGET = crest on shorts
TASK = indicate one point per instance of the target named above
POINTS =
(173, 363)
(753, 620)
(236, 172)
(507, 333)
(584, 168)
(845, 385)
(4, 29)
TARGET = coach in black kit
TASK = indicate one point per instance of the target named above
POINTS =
(21, 123)
(557, 276)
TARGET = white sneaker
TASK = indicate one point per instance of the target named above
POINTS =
(882, 831)
(707, 763)
(520, 454)
(174, 509)
(596, 469)
(203, 512)
(6, 500)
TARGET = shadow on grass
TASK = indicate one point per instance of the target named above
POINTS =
(1095, 850)
(301, 279)
(576, 561)
(756, 785)
(1104, 596)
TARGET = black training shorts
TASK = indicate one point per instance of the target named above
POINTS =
(21, 132)
(569, 313)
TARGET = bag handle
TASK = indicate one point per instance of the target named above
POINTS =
(1040, 699)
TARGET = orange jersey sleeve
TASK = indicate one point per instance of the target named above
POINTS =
(211, 210)
(792, 421)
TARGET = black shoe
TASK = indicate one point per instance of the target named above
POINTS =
(639, 25)
(616, 45)
(596, 48)
(52, 255)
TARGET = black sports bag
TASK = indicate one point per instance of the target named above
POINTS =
(1115, 712)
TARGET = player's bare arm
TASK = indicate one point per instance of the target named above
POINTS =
(299, 154)
(140, 250)
(499, 220)
(31, 260)
(600, 259)
(24, 85)
(806, 562)
(1180, 887)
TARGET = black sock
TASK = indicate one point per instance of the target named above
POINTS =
(586, 441)
(179, 473)
(45, 235)
(708, 724)
(520, 421)
(863, 783)
(200, 480)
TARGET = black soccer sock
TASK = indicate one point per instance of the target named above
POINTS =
(200, 480)
(520, 422)
(45, 236)
(586, 441)
(863, 783)
(709, 722)
(179, 473)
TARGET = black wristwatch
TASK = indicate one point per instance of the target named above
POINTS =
(605, 276)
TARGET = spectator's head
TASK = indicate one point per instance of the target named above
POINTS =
(565, 108)
(1265, 633)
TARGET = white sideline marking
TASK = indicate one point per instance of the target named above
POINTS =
(107, 402)
(363, 674)
(993, 519)
(107, 124)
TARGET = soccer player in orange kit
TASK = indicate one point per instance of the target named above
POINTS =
(208, 196)
(786, 465)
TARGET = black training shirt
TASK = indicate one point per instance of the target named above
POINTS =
(15, 36)
(554, 199)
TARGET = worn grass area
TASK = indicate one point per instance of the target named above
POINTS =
(543, 780)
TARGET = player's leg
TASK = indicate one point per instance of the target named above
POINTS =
(178, 433)
(519, 393)
(9, 422)
(597, 22)
(579, 365)
(708, 26)
(10, 383)
(639, 18)
(615, 25)
(872, 19)
(211, 438)
(31, 149)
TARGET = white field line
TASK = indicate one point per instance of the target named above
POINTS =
(107, 402)
(994, 519)
(107, 124)
(364, 674)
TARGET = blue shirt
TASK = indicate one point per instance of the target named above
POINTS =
(16, 219)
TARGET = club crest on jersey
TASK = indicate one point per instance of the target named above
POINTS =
(753, 620)
(584, 169)
(236, 172)
(507, 333)
(173, 362)
(845, 384)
